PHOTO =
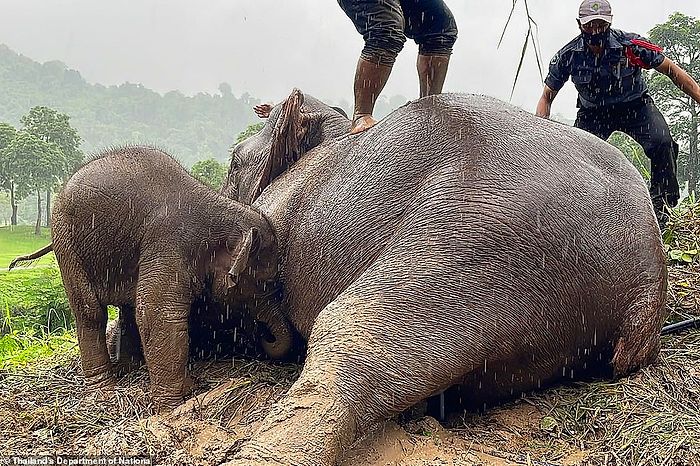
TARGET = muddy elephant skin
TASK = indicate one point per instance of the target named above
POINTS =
(461, 241)
(133, 229)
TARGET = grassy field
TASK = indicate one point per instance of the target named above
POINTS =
(35, 319)
(20, 240)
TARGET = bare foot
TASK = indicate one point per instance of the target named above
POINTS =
(362, 123)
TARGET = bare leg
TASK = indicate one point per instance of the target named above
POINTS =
(432, 70)
(370, 79)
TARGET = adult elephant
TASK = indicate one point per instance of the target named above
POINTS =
(132, 228)
(459, 241)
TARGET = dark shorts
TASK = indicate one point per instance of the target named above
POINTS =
(385, 25)
(642, 121)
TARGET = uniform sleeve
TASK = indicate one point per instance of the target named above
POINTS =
(650, 55)
(558, 72)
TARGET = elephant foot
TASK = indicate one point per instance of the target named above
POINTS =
(101, 387)
(167, 403)
(310, 427)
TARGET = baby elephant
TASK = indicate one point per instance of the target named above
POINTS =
(133, 229)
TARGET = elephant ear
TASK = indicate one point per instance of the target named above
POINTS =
(244, 250)
(287, 140)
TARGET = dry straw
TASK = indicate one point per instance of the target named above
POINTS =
(650, 418)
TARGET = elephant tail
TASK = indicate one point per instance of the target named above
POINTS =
(35, 255)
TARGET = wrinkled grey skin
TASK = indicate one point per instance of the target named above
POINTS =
(252, 169)
(133, 229)
(459, 241)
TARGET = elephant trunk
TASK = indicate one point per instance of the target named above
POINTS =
(277, 342)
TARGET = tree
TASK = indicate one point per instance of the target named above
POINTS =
(7, 177)
(210, 172)
(680, 38)
(225, 90)
(633, 151)
(36, 165)
(51, 126)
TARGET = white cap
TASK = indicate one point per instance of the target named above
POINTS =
(594, 9)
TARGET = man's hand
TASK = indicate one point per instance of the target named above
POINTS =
(262, 110)
(544, 106)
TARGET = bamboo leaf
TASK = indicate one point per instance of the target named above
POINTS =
(520, 65)
(510, 15)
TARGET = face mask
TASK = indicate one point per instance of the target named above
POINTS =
(598, 39)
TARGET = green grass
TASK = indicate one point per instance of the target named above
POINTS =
(35, 319)
(33, 299)
(22, 349)
(20, 240)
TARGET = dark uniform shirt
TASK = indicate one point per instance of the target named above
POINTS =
(612, 78)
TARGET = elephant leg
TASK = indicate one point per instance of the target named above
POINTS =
(370, 356)
(639, 342)
(309, 427)
(162, 312)
(124, 343)
(90, 323)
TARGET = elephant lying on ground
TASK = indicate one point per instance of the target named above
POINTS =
(133, 229)
(459, 241)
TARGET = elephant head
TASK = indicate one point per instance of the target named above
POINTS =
(293, 127)
(243, 271)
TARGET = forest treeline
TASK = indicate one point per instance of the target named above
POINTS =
(205, 126)
(190, 127)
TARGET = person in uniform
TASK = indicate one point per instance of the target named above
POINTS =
(605, 66)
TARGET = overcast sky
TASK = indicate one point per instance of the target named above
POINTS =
(267, 47)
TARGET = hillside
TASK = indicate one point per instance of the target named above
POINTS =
(191, 128)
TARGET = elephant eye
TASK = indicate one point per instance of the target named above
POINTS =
(235, 163)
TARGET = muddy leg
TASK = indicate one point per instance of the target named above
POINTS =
(369, 358)
(162, 312)
(309, 427)
(90, 322)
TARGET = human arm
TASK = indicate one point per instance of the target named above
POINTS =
(680, 78)
(556, 78)
(262, 110)
(544, 106)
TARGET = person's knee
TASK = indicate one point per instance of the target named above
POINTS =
(438, 43)
(382, 27)
(383, 48)
(434, 30)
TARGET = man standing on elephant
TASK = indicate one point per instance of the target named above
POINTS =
(384, 25)
(605, 65)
